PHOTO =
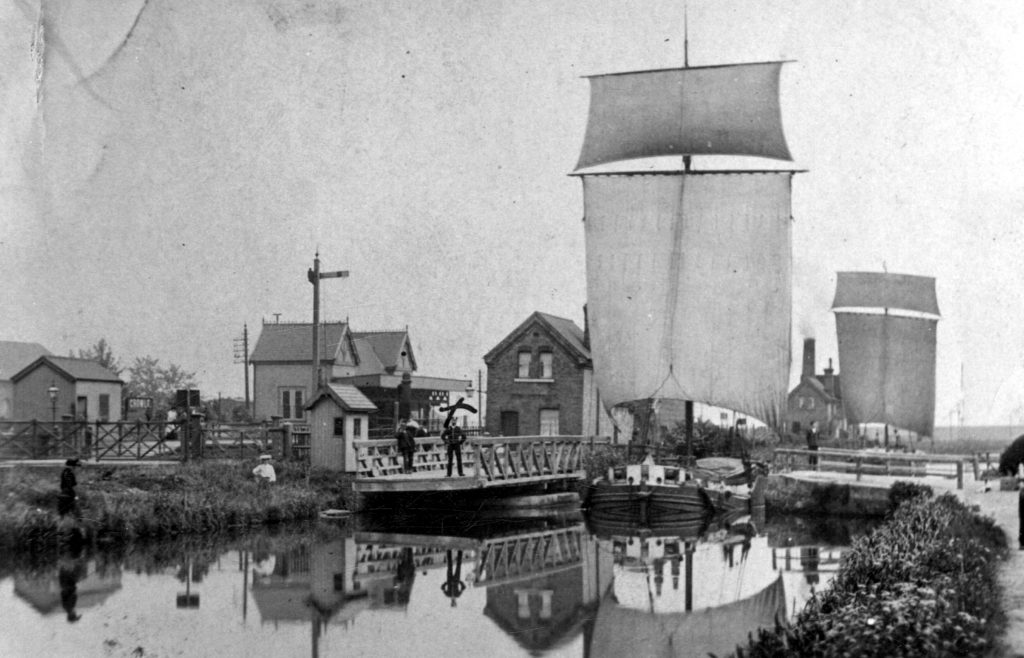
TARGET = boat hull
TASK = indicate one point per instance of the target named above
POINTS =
(649, 504)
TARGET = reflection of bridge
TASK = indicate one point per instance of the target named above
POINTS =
(488, 462)
(498, 561)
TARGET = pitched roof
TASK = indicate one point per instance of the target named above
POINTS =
(348, 397)
(283, 342)
(369, 362)
(387, 345)
(72, 368)
(14, 356)
(564, 331)
(817, 385)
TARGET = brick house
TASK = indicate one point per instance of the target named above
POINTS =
(816, 398)
(14, 356)
(540, 381)
(86, 390)
(372, 361)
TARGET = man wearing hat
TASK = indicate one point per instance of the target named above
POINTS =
(406, 436)
(67, 497)
(265, 471)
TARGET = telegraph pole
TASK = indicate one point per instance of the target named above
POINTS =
(314, 275)
(242, 345)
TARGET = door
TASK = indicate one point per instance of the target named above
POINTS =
(510, 423)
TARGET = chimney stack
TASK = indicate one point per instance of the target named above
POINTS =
(808, 370)
(830, 381)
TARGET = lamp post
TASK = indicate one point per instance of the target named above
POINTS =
(52, 392)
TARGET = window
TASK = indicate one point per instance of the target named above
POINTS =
(549, 422)
(546, 361)
(524, 365)
(291, 404)
(357, 428)
(104, 406)
(339, 426)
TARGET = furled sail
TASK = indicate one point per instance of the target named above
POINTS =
(689, 287)
(712, 110)
(886, 356)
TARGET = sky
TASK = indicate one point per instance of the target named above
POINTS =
(169, 169)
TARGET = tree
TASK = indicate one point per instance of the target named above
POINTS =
(147, 378)
(102, 353)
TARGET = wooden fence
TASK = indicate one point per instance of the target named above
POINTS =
(877, 463)
(136, 441)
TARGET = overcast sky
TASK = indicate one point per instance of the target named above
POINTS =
(168, 169)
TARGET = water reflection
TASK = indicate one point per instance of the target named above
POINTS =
(426, 585)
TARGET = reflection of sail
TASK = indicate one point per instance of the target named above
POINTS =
(887, 359)
(621, 631)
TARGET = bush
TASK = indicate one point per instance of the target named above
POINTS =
(902, 491)
(924, 584)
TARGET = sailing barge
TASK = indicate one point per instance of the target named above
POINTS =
(689, 271)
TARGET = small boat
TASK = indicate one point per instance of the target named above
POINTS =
(655, 494)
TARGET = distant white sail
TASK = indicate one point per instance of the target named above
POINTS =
(689, 288)
(887, 361)
(713, 110)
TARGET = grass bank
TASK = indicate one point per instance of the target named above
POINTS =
(122, 504)
(923, 584)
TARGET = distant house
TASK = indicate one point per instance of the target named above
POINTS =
(372, 361)
(85, 390)
(13, 357)
(816, 398)
(540, 381)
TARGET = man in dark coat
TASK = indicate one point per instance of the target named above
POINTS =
(812, 443)
(406, 436)
(453, 438)
(68, 482)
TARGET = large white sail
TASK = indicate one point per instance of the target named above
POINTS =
(711, 110)
(689, 287)
(887, 348)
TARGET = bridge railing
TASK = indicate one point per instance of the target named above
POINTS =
(495, 459)
(875, 463)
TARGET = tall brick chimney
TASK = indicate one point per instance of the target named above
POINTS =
(808, 370)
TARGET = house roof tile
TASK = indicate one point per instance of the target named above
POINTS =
(285, 342)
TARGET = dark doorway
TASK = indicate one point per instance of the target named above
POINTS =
(510, 423)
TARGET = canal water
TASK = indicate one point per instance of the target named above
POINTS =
(464, 585)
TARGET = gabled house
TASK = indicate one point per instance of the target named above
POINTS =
(84, 390)
(540, 381)
(816, 398)
(14, 356)
(372, 361)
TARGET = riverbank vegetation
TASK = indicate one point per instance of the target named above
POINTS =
(123, 504)
(923, 584)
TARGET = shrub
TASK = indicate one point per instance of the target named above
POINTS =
(901, 491)
(922, 584)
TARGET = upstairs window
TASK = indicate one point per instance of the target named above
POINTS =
(524, 365)
(546, 361)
